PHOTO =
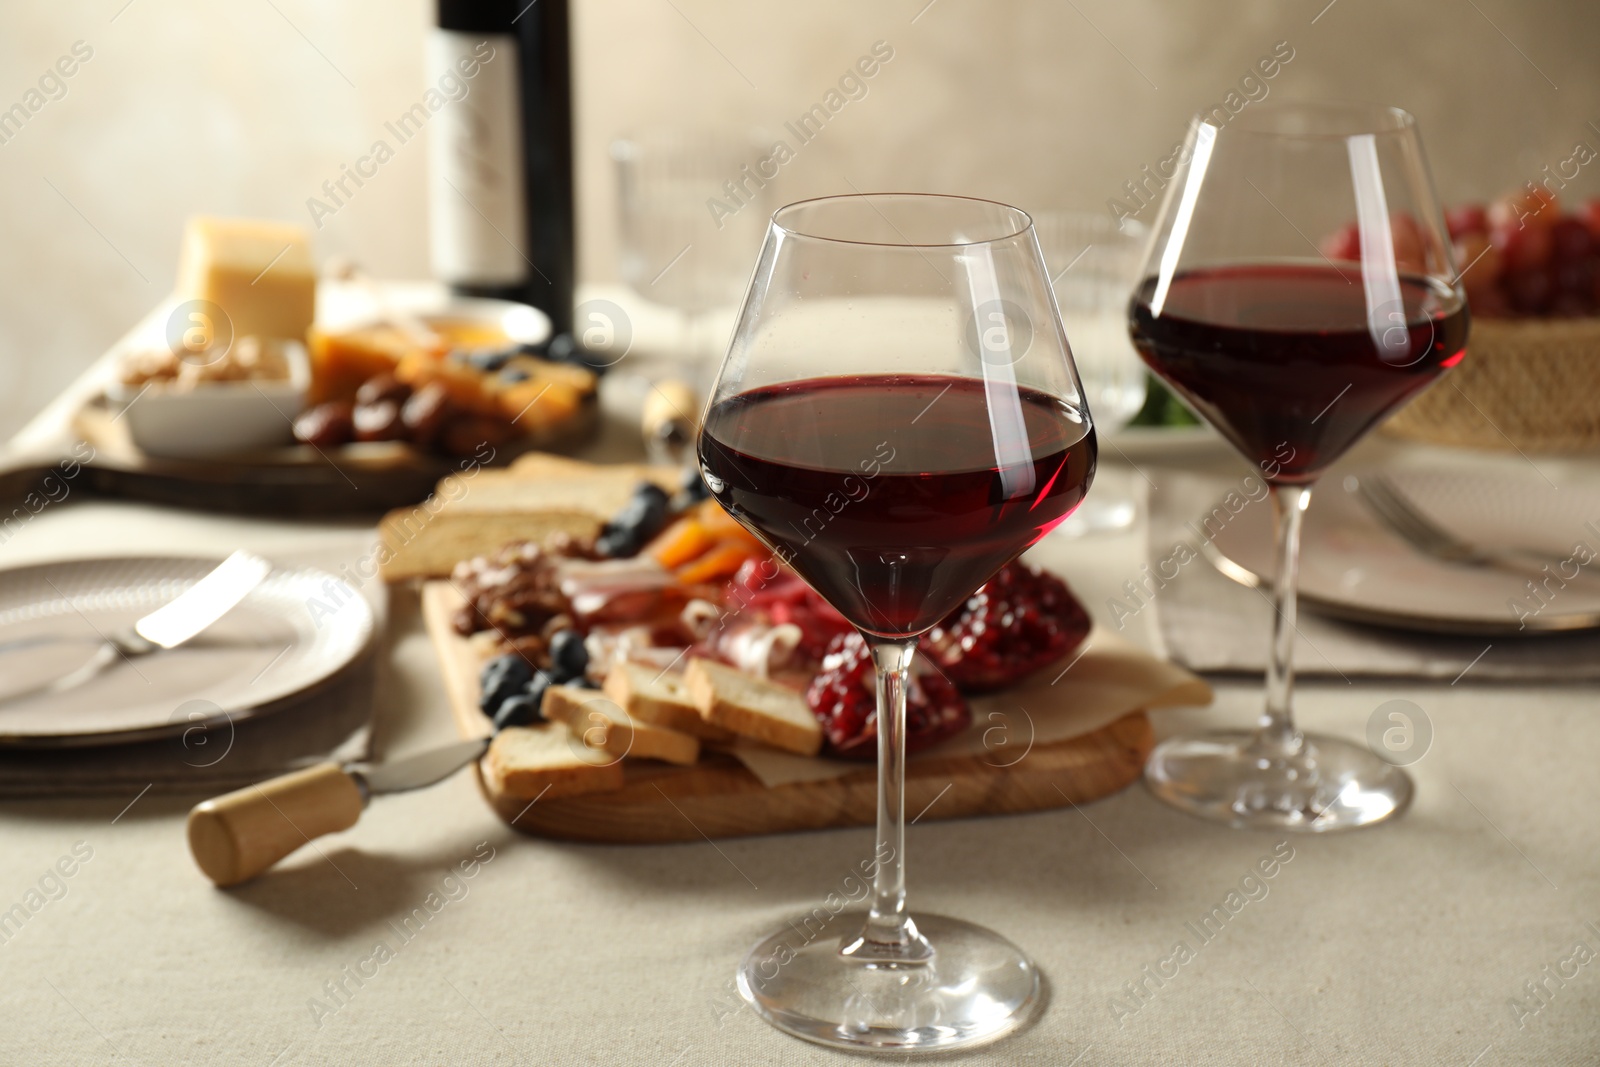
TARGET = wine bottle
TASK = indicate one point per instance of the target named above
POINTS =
(500, 161)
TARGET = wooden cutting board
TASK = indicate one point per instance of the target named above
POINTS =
(294, 479)
(718, 797)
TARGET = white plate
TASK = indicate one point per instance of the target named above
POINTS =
(347, 305)
(1352, 567)
(269, 647)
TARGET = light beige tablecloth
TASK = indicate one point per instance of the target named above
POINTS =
(1402, 945)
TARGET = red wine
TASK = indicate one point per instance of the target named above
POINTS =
(889, 493)
(1280, 357)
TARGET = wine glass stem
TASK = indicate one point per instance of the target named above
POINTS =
(887, 922)
(1278, 735)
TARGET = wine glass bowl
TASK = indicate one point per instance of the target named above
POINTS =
(897, 417)
(1298, 290)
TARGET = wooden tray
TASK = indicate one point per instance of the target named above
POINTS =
(293, 480)
(718, 797)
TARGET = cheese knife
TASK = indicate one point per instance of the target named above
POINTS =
(237, 836)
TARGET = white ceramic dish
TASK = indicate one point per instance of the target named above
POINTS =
(274, 644)
(214, 418)
(346, 305)
(1353, 567)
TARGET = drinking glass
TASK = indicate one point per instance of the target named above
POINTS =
(1299, 289)
(692, 209)
(1094, 262)
(897, 418)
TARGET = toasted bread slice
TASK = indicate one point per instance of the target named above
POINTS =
(600, 723)
(753, 707)
(473, 515)
(547, 760)
(658, 697)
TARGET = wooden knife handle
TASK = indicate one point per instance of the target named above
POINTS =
(237, 836)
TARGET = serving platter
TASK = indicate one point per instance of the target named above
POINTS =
(719, 797)
(296, 480)
(292, 480)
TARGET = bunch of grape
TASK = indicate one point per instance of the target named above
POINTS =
(1522, 257)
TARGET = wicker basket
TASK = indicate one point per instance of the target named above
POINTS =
(1532, 385)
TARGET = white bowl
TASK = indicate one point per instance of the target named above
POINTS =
(349, 305)
(214, 418)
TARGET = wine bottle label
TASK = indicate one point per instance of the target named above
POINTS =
(476, 216)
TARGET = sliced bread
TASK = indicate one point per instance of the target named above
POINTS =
(475, 514)
(598, 722)
(547, 760)
(753, 707)
(651, 695)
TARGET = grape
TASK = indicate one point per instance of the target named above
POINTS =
(1590, 214)
(1466, 218)
(1531, 290)
(1490, 304)
(1343, 245)
(1570, 240)
(1479, 263)
(1409, 249)
(1575, 283)
(1522, 249)
(1532, 207)
(1570, 306)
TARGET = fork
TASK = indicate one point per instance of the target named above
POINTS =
(1427, 536)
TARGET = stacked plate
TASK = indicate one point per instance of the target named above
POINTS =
(293, 633)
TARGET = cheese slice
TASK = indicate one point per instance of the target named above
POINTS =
(260, 273)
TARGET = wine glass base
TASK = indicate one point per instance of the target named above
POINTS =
(978, 987)
(1333, 785)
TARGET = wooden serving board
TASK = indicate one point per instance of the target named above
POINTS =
(718, 797)
(295, 479)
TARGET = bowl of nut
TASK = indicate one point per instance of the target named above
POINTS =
(214, 401)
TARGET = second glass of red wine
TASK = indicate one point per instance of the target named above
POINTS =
(897, 418)
(1299, 289)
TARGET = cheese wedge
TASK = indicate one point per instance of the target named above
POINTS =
(260, 273)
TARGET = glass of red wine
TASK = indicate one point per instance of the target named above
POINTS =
(897, 418)
(1298, 289)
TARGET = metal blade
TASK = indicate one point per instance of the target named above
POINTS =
(205, 602)
(420, 770)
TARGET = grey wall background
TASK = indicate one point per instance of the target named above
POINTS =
(246, 107)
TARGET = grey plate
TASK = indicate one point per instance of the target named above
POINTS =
(1352, 567)
(269, 647)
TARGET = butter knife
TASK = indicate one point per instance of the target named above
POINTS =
(167, 627)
